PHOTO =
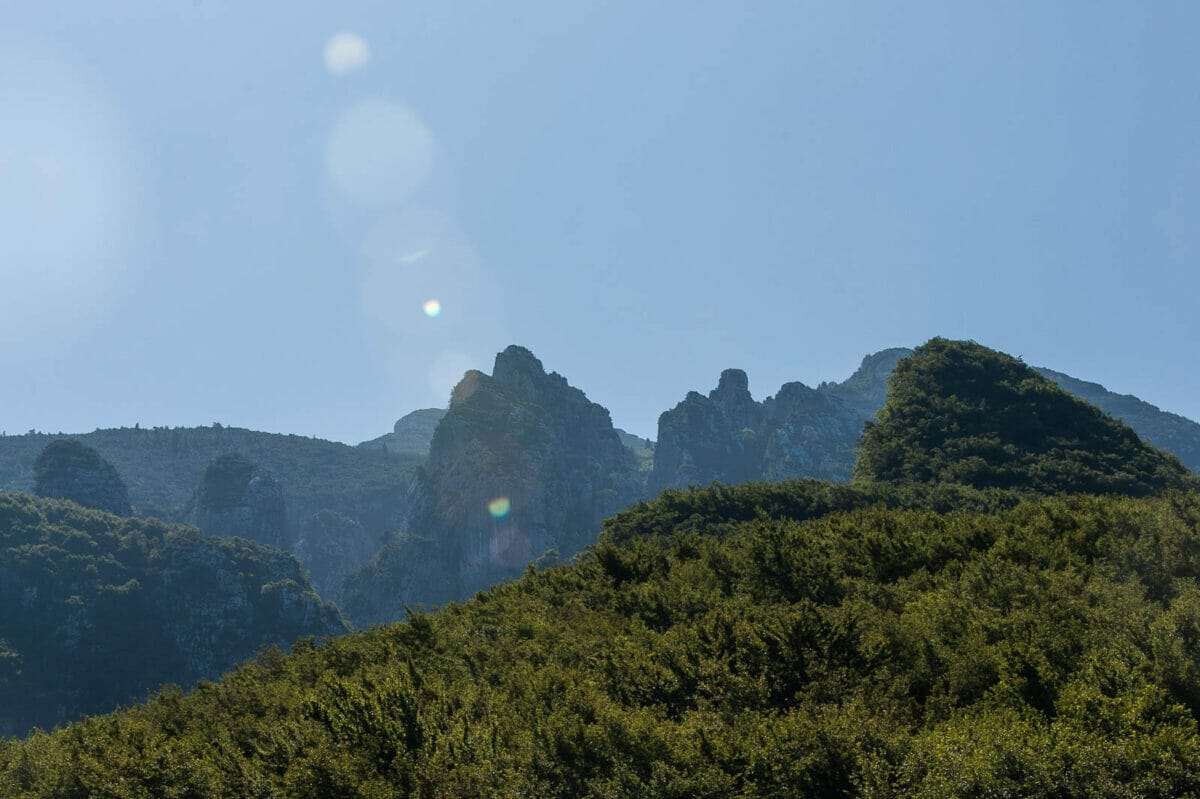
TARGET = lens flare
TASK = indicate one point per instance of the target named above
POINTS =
(432, 308)
(499, 507)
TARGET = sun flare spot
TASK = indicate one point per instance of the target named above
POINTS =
(432, 308)
(499, 507)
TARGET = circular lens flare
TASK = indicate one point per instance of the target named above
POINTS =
(499, 507)
(432, 308)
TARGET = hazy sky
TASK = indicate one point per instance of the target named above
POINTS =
(241, 212)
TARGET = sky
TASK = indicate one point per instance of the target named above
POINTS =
(312, 218)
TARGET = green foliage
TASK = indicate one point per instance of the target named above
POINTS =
(163, 466)
(1047, 649)
(97, 610)
(67, 469)
(958, 412)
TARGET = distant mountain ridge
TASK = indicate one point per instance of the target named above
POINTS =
(162, 467)
(805, 432)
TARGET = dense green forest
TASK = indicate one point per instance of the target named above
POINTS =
(958, 412)
(1048, 650)
(162, 467)
(98, 610)
(929, 635)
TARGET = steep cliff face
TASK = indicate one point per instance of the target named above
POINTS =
(866, 389)
(97, 610)
(521, 463)
(713, 438)
(332, 547)
(808, 433)
(237, 498)
(728, 437)
(411, 434)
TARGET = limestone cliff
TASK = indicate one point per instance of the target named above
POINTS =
(521, 463)
(411, 434)
(237, 498)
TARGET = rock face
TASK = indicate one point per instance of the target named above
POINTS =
(728, 437)
(408, 572)
(808, 433)
(98, 610)
(713, 438)
(67, 469)
(522, 463)
(333, 546)
(237, 498)
(411, 435)
(803, 432)
(866, 389)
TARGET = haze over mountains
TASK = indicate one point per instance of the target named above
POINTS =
(413, 509)
(520, 467)
(966, 616)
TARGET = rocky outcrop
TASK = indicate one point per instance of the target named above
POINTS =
(67, 469)
(713, 438)
(407, 573)
(866, 389)
(521, 463)
(332, 547)
(807, 433)
(728, 437)
(411, 435)
(237, 498)
(98, 610)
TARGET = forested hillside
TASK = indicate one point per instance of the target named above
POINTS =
(1049, 650)
(931, 635)
(958, 412)
(162, 467)
(98, 610)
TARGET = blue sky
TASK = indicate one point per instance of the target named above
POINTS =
(216, 211)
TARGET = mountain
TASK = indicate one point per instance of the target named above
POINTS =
(729, 437)
(67, 469)
(958, 412)
(1043, 650)
(411, 435)
(1167, 431)
(522, 463)
(162, 468)
(804, 432)
(97, 610)
(238, 498)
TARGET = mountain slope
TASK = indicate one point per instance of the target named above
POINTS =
(411, 434)
(890, 637)
(1168, 431)
(1043, 651)
(958, 412)
(162, 467)
(97, 610)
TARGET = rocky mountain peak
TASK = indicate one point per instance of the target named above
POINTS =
(238, 498)
(733, 382)
(518, 367)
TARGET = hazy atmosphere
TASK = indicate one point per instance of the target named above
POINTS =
(311, 219)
